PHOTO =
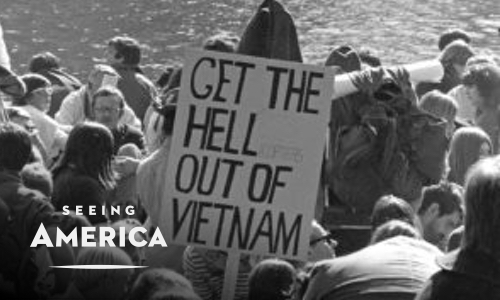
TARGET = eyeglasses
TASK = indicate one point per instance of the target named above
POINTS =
(108, 110)
(328, 238)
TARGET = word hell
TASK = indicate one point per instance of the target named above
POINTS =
(246, 229)
(216, 130)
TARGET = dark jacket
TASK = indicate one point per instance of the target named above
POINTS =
(27, 209)
(465, 275)
(72, 188)
(271, 33)
(137, 89)
(22, 200)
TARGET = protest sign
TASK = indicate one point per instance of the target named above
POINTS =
(246, 154)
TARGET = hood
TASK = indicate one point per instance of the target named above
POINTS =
(271, 33)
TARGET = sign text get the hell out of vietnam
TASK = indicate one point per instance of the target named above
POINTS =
(246, 154)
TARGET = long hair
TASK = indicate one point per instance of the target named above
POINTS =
(89, 150)
(482, 206)
(464, 151)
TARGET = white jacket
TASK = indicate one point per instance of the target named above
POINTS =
(72, 110)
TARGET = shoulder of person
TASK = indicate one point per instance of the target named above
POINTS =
(71, 178)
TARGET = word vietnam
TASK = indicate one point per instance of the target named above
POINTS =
(87, 238)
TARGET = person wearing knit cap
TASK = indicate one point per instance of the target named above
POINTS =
(36, 101)
(453, 58)
(442, 106)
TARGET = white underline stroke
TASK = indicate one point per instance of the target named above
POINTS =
(98, 267)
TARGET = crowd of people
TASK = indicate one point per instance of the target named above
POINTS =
(105, 141)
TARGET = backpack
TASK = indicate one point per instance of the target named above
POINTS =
(382, 143)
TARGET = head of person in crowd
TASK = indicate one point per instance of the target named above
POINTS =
(101, 75)
(102, 283)
(137, 254)
(452, 35)
(482, 220)
(321, 244)
(272, 279)
(15, 149)
(468, 145)
(108, 104)
(390, 207)
(442, 106)
(222, 42)
(441, 212)
(482, 82)
(36, 176)
(158, 283)
(22, 118)
(369, 59)
(89, 150)
(123, 50)
(345, 58)
(38, 92)
(454, 58)
(44, 61)
(479, 60)
(394, 228)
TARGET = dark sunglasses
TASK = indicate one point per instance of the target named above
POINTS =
(326, 238)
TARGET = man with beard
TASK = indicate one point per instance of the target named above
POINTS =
(441, 212)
